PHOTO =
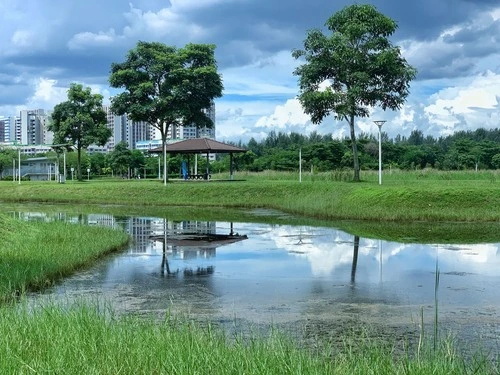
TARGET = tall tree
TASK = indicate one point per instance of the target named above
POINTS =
(167, 86)
(353, 69)
(80, 121)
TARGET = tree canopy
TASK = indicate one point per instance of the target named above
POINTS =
(167, 86)
(80, 121)
(353, 69)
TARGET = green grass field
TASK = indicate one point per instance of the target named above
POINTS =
(425, 206)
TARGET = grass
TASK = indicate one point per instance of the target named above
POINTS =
(33, 255)
(405, 200)
(92, 340)
(422, 206)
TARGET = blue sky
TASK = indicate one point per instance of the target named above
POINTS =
(454, 44)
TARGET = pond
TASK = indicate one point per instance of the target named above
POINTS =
(313, 282)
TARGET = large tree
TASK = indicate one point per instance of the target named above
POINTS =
(167, 86)
(352, 69)
(80, 121)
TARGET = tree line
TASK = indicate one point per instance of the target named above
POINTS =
(280, 151)
(463, 150)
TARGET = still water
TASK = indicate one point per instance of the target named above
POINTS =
(311, 281)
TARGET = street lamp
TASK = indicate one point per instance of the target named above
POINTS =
(379, 123)
(19, 161)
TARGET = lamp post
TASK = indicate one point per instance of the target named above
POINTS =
(379, 123)
(19, 162)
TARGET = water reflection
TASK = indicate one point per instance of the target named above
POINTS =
(321, 278)
(192, 239)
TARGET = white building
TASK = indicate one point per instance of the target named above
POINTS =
(34, 125)
(192, 131)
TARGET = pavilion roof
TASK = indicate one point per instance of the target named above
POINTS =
(199, 145)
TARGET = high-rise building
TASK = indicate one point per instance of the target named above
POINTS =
(137, 131)
(125, 130)
(192, 131)
(11, 128)
(33, 128)
(3, 130)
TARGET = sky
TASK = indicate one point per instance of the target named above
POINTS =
(454, 44)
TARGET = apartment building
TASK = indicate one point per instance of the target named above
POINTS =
(192, 131)
(30, 128)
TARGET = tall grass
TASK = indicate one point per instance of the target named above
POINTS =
(87, 339)
(34, 254)
(405, 199)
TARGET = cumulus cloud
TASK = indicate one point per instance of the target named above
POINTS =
(466, 107)
(88, 39)
(46, 94)
(284, 116)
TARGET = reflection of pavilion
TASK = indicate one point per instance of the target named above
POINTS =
(193, 239)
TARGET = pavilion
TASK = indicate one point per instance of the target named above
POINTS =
(202, 146)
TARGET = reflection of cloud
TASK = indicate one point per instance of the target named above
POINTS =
(329, 249)
(467, 254)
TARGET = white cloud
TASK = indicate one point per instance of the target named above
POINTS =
(496, 14)
(24, 38)
(270, 75)
(46, 94)
(87, 39)
(473, 104)
(165, 22)
(291, 113)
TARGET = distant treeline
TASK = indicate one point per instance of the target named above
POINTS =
(320, 153)
(280, 151)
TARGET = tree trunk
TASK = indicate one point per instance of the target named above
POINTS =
(163, 132)
(79, 164)
(354, 149)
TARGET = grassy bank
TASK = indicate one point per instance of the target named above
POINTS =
(33, 255)
(409, 207)
(87, 340)
(405, 200)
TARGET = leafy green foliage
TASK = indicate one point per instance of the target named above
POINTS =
(167, 86)
(80, 121)
(6, 157)
(353, 69)
(120, 159)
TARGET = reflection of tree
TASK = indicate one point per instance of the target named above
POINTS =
(164, 260)
(354, 260)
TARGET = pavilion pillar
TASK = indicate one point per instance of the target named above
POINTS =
(208, 164)
(231, 166)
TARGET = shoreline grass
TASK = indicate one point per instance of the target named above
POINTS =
(35, 254)
(85, 339)
(456, 200)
